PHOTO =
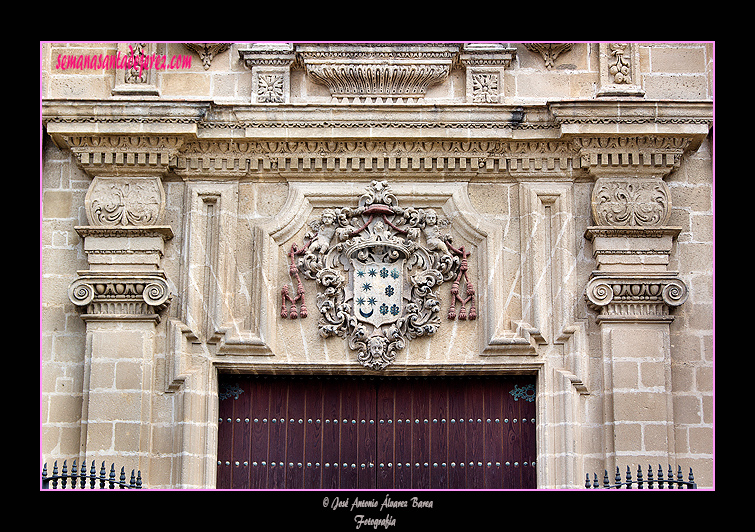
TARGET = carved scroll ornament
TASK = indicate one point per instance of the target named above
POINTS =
(207, 51)
(635, 296)
(549, 51)
(631, 202)
(378, 267)
(108, 295)
(118, 201)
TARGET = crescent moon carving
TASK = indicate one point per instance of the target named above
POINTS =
(366, 315)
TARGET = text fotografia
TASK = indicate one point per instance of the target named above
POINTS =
(131, 60)
(361, 520)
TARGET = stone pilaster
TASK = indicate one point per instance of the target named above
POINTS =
(633, 292)
(121, 296)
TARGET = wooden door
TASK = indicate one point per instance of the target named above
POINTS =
(373, 432)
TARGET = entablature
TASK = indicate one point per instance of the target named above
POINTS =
(565, 139)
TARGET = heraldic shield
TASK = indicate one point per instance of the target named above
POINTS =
(378, 288)
(378, 267)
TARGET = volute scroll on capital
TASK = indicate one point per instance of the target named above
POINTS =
(124, 244)
(108, 296)
(635, 295)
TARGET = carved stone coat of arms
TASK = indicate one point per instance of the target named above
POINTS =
(378, 268)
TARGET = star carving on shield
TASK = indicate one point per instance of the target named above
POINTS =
(378, 267)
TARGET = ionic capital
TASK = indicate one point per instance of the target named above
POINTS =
(120, 296)
(635, 297)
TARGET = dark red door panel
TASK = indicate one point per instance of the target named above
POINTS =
(376, 432)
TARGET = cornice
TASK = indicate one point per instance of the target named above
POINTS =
(570, 118)
(123, 111)
(120, 137)
(584, 118)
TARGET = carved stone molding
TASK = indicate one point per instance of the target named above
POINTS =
(635, 297)
(242, 158)
(377, 73)
(606, 138)
(115, 201)
(631, 202)
(121, 296)
(549, 51)
(140, 155)
(207, 51)
(632, 137)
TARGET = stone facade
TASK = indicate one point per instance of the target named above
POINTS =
(576, 177)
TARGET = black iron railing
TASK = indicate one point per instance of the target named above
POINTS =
(64, 476)
(650, 480)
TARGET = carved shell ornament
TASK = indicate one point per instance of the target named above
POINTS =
(378, 268)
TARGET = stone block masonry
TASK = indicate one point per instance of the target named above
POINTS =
(172, 199)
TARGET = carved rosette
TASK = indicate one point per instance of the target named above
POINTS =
(271, 71)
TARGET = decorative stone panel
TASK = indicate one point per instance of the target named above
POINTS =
(137, 80)
(619, 70)
(117, 201)
(484, 65)
(271, 71)
(377, 73)
(631, 202)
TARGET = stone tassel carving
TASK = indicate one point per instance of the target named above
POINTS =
(286, 297)
(469, 292)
